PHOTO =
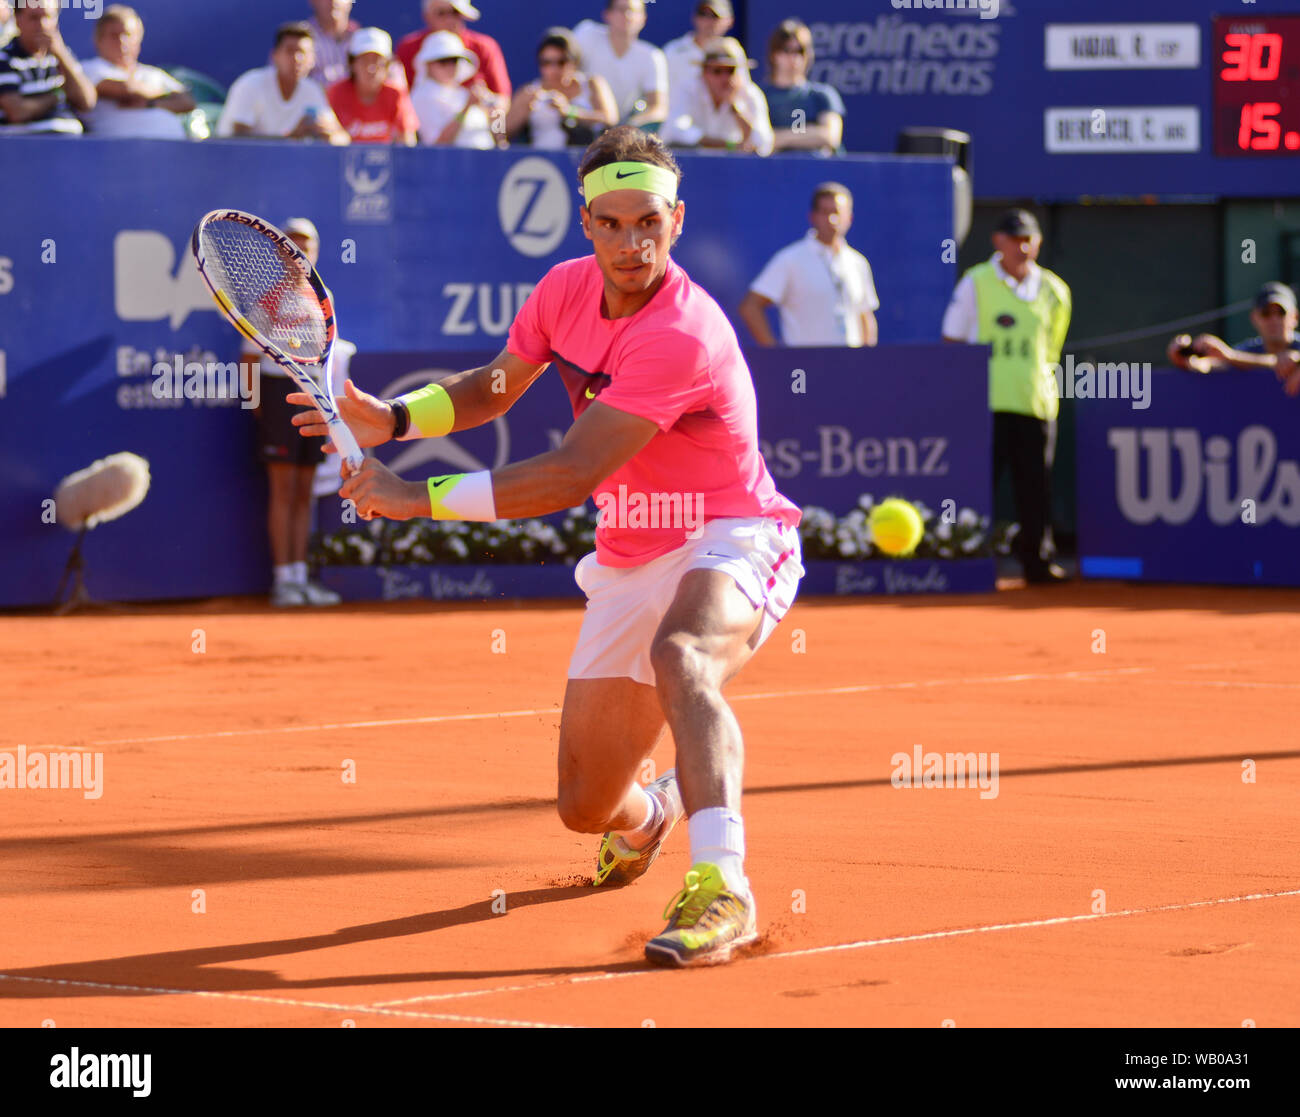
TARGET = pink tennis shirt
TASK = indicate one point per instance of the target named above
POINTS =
(675, 362)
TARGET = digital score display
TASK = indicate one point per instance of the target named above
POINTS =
(1256, 100)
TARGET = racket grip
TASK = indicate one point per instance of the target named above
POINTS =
(346, 445)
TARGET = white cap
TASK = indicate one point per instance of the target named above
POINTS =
(465, 8)
(371, 40)
(447, 44)
(301, 226)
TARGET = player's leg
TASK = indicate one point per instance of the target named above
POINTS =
(739, 585)
(608, 728)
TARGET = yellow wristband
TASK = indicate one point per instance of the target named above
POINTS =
(462, 496)
(431, 411)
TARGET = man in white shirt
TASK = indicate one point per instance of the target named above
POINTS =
(723, 107)
(823, 288)
(133, 99)
(280, 99)
(637, 72)
(712, 19)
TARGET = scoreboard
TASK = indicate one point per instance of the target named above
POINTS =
(1257, 87)
(1115, 98)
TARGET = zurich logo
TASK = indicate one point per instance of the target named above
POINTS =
(534, 206)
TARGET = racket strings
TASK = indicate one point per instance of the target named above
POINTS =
(268, 286)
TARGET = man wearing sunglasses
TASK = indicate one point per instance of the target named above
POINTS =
(1274, 316)
(712, 20)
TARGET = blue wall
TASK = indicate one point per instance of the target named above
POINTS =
(443, 244)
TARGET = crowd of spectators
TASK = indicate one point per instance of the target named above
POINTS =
(329, 79)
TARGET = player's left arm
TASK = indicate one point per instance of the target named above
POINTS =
(602, 440)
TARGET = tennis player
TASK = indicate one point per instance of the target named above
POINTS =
(697, 557)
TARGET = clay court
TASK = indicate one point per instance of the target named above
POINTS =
(440, 889)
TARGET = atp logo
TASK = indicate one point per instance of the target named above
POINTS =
(148, 282)
(413, 456)
(367, 185)
(534, 206)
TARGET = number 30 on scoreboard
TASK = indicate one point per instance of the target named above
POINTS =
(1257, 85)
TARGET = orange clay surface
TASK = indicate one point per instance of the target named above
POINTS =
(1120, 773)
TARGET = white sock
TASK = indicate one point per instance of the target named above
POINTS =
(299, 572)
(639, 837)
(718, 835)
(283, 574)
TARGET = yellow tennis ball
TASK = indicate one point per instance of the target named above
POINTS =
(896, 527)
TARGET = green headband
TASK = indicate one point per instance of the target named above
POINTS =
(630, 176)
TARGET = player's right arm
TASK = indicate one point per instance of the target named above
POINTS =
(477, 396)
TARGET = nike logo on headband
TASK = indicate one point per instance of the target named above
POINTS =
(620, 174)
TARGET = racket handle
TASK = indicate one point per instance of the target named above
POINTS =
(346, 445)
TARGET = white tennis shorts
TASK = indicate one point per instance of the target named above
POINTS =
(625, 604)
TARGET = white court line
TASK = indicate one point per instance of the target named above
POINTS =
(375, 1010)
(922, 937)
(1227, 683)
(864, 688)
(389, 1008)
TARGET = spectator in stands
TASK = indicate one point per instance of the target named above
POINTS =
(369, 109)
(133, 99)
(1274, 348)
(1023, 311)
(806, 116)
(724, 108)
(40, 82)
(712, 19)
(331, 32)
(637, 73)
(8, 29)
(280, 99)
(450, 15)
(565, 106)
(824, 288)
(290, 465)
(449, 113)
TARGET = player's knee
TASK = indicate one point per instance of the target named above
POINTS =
(678, 661)
(579, 813)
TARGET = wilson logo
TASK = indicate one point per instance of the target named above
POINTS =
(1182, 474)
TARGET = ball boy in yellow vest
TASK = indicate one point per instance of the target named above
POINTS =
(1023, 312)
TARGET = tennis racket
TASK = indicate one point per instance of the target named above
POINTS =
(271, 294)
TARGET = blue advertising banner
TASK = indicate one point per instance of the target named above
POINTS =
(425, 251)
(1202, 485)
(835, 425)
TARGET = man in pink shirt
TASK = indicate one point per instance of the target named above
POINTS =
(697, 557)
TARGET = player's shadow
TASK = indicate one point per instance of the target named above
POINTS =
(206, 968)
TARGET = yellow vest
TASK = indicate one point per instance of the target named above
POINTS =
(1026, 339)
